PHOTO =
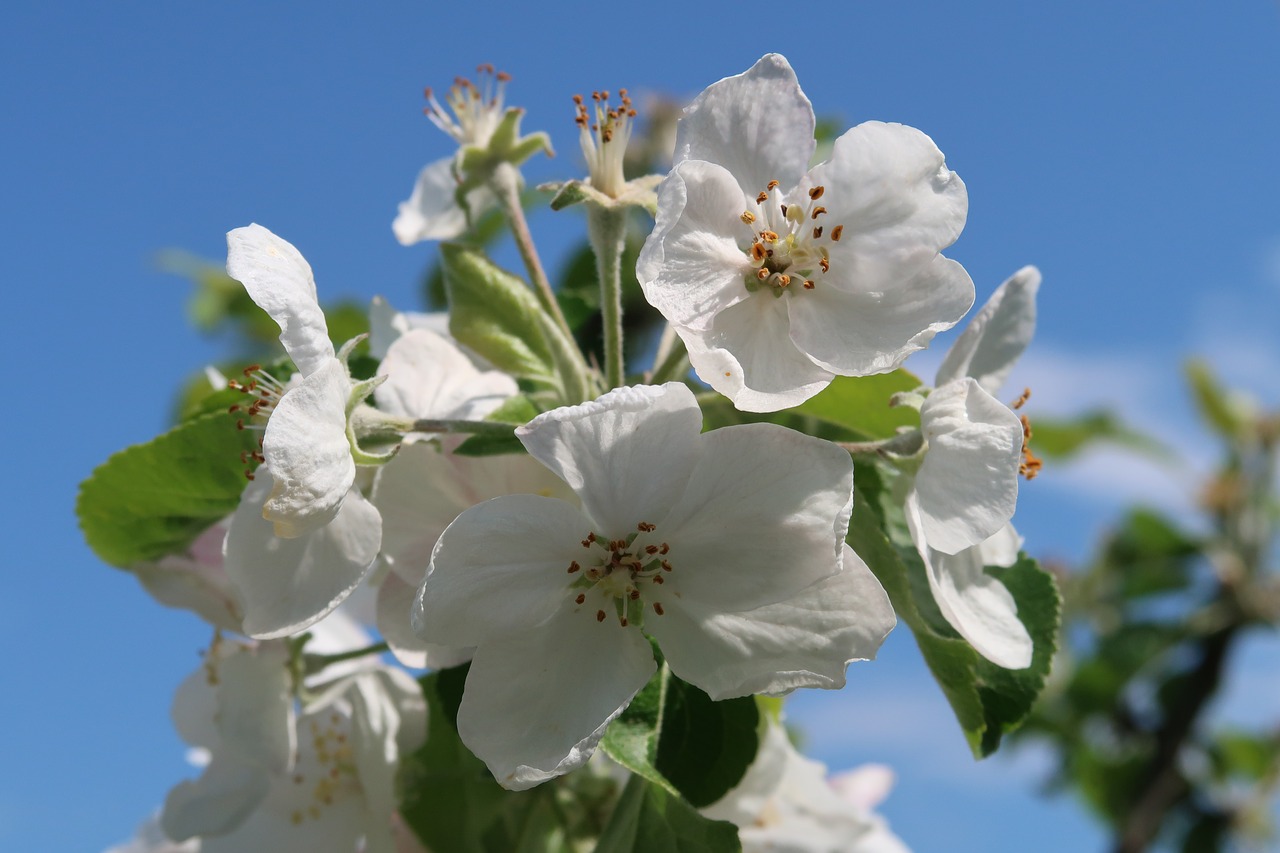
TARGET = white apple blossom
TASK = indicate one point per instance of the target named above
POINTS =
(197, 581)
(778, 277)
(965, 492)
(677, 539)
(785, 804)
(429, 377)
(150, 838)
(321, 779)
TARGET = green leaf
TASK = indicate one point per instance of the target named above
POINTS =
(1062, 438)
(514, 410)
(1213, 401)
(988, 701)
(153, 499)
(649, 819)
(861, 404)
(675, 736)
(496, 314)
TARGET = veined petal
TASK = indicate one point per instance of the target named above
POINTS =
(691, 266)
(746, 535)
(279, 280)
(396, 598)
(996, 335)
(968, 482)
(855, 330)
(805, 641)
(499, 569)
(428, 376)
(627, 454)
(977, 605)
(386, 324)
(759, 125)
(889, 186)
(289, 584)
(376, 736)
(432, 211)
(308, 453)
(748, 356)
(536, 704)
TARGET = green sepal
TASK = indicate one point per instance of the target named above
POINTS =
(154, 499)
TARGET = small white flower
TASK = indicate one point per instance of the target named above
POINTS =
(712, 543)
(965, 492)
(779, 277)
(786, 803)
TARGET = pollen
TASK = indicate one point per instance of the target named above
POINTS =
(1022, 399)
(748, 217)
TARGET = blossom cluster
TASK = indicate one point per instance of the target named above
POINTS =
(614, 539)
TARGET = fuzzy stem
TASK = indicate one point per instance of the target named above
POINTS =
(607, 230)
(505, 184)
(316, 663)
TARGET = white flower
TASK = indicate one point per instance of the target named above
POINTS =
(319, 780)
(451, 192)
(323, 535)
(961, 500)
(711, 543)
(197, 581)
(429, 377)
(778, 278)
(150, 838)
(785, 804)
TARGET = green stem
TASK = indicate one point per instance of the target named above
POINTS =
(607, 230)
(494, 428)
(505, 184)
(316, 663)
(671, 362)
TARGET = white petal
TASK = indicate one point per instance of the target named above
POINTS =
(890, 188)
(536, 705)
(222, 798)
(499, 569)
(626, 455)
(996, 335)
(395, 603)
(279, 280)
(968, 482)
(334, 827)
(759, 125)
(429, 377)
(749, 357)
(375, 729)
(1002, 548)
(764, 516)
(691, 266)
(977, 605)
(255, 707)
(308, 453)
(805, 641)
(855, 328)
(196, 581)
(289, 584)
(432, 211)
(386, 324)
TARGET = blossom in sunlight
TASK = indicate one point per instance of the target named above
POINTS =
(603, 133)
(785, 802)
(964, 494)
(715, 544)
(320, 536)
(450, 192)
(318, 779)
(778, 276)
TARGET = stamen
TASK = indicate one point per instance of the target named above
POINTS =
(573, 567)
(748, 217)
(762, 198)
(762, 273)
(808, 284)
(817, 211)
(646, 527)
(582, 596)
(817, 232)
(1022, 399)
(825, 264)
(772, 185)
(836, 232)
(816, 192)
(599, 615)
(784, 280)
(657, 607)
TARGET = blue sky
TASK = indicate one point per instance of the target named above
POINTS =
(1130, 153)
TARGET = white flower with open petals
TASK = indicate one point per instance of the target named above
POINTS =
(779, 277)
(965, 492)
(711, 543)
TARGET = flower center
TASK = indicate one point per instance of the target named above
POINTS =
(476, 108)
(264, 391)
(789, 241)
(620, 575)
(603, 133)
